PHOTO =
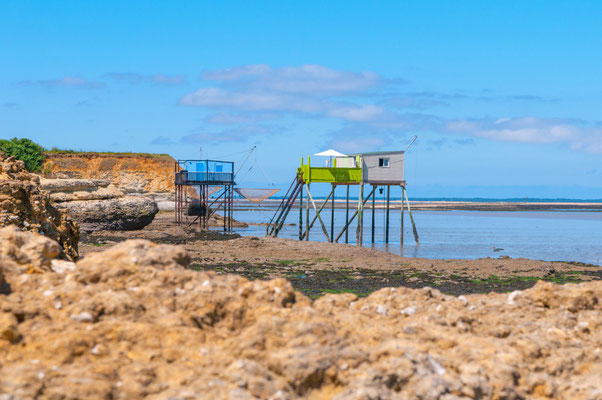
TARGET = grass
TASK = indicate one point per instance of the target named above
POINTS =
(324, 291)
(105, 153)
(305, 261)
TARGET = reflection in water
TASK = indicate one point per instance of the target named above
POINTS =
(545, 235)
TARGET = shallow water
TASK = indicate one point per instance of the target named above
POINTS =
(541, 235)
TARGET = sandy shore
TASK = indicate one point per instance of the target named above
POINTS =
(317, 268)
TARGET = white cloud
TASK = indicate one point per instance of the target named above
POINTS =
(368, 104)
(238, 118)
(137, 79)
(67, 81)
(578, 134)
(308, 90)
(357, 113)
(308, 79)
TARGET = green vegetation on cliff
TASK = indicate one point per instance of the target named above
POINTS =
(31, 153)
(55, 150)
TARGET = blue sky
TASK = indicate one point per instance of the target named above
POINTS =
(505, 97)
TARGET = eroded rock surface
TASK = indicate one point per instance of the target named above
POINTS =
(148, 175)
(123, 213)
(24, 204)
(99, 205)
(62, 190)
(132, 322)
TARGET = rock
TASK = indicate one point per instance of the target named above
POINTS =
(62, 190)
(72, 185)
(33, 251)
(98, 205)
(25, 205)
(133, 322)
(126, 213)
(8, 328)
(165, 201)
(4, 286)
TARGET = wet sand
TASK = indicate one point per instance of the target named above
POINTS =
(318, 268)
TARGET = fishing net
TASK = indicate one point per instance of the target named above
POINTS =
(212, 189)
(256, 195)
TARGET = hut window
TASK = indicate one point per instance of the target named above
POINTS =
(383, 162)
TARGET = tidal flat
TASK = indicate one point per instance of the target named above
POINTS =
(317, 268)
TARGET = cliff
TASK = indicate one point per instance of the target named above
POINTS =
(130, 172)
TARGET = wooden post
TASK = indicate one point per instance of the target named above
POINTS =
(373, 197)
(201, 199)
(332, 212)
(412, 220)
(355, 214)
(402, 211)
(318, 215)
(311, 224)
(387, 215)
(360, 217)
(307, 214)
(301, 212)
(347, 216)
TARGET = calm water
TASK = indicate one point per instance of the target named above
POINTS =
(541, 235)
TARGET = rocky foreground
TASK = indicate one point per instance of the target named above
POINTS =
(23, 203)
(133, 322)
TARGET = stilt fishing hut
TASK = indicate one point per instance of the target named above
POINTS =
(377, 169)
(203, 187)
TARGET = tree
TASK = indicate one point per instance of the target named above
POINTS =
(31, 153)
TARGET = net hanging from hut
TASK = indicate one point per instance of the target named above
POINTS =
(256, 195)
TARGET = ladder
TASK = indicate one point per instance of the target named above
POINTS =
(277, 221)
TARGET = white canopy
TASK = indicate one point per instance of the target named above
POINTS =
(331, 153)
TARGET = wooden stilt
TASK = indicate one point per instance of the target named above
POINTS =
(355, 214)
(307, 214)
(360, 218)
(412, 220)
(373, 210)
(301, 213)
(347, 216)
(311, 224)
(332, 212)
(402, 211)
(387, 215)
(318, 215)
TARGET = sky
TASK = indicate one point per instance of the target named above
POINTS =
(505, 96)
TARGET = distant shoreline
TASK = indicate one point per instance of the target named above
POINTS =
(439, 205)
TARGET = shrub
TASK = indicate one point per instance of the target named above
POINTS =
(31, 153)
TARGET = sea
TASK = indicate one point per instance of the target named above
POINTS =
(563, 235)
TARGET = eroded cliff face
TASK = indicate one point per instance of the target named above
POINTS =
(24, 204)
(131, 173)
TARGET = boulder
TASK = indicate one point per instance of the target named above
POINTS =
(125, 213)
(24, 204)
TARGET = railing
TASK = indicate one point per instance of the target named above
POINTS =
(189, 177)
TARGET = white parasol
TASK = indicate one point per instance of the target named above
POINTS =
(330, 153)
